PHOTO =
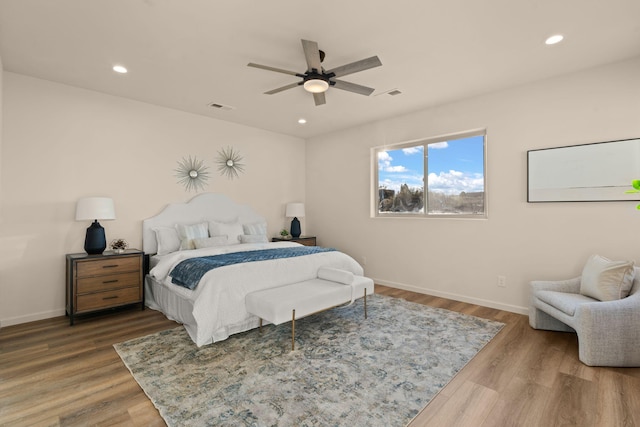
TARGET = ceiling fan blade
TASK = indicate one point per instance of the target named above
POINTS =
(354, 67)
(319, 98)
(352, 87)
(283, 88)
(312, 55)
(277, 70)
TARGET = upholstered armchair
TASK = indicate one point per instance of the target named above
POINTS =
(608, 331)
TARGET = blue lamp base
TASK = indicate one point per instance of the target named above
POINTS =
(95, 241)
(295, 228)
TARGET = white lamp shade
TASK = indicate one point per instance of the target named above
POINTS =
(94, 208)
(294, 210)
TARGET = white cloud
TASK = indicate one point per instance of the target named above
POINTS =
(438, 145)
(394, 183)
(413, 150)
(384, 156)
(384, 163)
(384, 160)
(455, 182)
(452, 182)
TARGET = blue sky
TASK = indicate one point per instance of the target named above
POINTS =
(454, 166)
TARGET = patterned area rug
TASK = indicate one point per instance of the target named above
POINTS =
(345, 371)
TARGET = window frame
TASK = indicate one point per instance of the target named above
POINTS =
(375, 195)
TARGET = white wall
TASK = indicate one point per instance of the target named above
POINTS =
(61, 143)
(1, 80)
(461, 259)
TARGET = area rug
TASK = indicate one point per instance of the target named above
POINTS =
(345, 371)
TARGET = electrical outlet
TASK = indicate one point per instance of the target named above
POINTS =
(502, 281)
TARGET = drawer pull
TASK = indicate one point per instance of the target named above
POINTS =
(110, 266)
(110, 281)
(111, 297)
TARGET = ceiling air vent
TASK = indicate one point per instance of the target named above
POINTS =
(392, 92)
(218, 106)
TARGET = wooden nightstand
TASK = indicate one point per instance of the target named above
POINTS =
(303, 240)
(98, 282)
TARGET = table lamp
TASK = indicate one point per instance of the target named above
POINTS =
(95, 208)
(295, 210)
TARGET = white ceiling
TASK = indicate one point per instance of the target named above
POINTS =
(185, 54)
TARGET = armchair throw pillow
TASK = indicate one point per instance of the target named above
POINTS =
(606, 280)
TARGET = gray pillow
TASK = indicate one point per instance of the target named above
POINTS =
(253, 238)
(209, 242)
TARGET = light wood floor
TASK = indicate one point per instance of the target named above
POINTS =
(52, 374)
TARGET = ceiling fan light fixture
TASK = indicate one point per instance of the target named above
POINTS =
(316, 85)
(316, 80)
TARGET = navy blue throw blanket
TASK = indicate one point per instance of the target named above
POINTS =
(189, 272)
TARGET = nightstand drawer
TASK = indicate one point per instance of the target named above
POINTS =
(108, 265)
(110, 281)
(108, 299)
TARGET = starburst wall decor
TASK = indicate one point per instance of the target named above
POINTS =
(229, 163)
(192, 174)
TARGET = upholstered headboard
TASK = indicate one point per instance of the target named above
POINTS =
(201, 208)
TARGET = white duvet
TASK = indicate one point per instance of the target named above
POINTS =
(217, 304)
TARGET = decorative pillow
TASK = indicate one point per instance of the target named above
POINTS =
(255, 228)
(209, 242)
(187, 234)
(168, 240)
(253, 238)
(335, 275)
(606, 280)
(232, 230)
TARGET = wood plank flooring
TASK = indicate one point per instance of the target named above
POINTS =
(55, 375)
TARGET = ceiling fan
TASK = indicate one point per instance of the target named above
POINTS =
(317, 80)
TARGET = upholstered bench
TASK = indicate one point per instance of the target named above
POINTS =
(332, 288)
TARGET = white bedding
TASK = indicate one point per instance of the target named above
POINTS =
(215, 309)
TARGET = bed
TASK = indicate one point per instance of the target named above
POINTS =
(212, 226)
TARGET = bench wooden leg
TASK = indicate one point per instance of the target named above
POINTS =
(365, 303)
(293, 329)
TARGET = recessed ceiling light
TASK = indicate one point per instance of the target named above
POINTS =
(119, 69)
(556, 38)
(302, 121)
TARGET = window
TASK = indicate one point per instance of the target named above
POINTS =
(452, 171)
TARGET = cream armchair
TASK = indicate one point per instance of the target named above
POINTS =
(608, 331)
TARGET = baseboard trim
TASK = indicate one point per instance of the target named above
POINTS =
(455, 297)
(9, 321)
(478, 301)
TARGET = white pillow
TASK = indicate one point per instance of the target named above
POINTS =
(232, 230)
(168, 240)
(253, 238)
(336, 275)
(255, 228)
(606, 280)
(188, 233)
(209, 242)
